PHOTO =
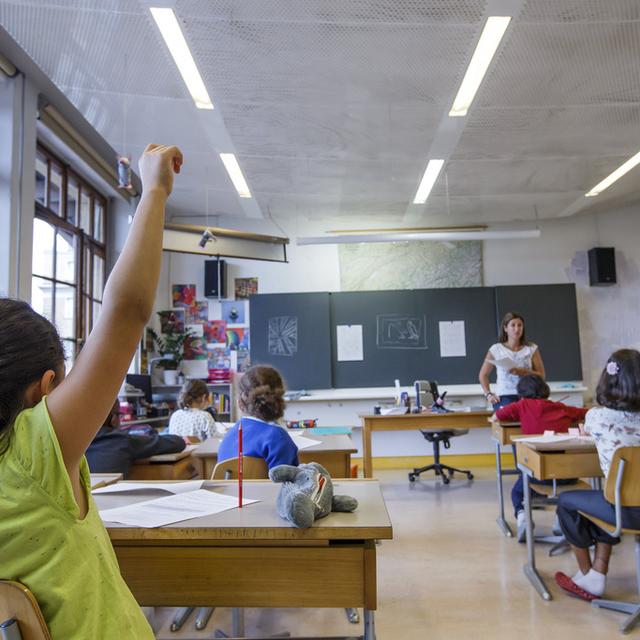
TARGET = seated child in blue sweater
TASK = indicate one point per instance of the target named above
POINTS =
(261, 399)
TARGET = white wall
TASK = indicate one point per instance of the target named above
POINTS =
(609, 317)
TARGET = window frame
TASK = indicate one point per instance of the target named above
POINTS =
(87, 246)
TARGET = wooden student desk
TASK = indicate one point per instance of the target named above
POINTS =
(333, 453)
(167, 466)
(411, 421)
(550, 465)
(248, 557)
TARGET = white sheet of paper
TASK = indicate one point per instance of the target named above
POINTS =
(171, 487)
(170, 509)
(349, 342)
(452, 339)
(504, 363)
(304, 443)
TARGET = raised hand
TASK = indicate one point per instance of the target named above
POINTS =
(157, 166)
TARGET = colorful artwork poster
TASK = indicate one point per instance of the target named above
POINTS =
(198, 312)
(183, 295)
(244, 361)
(233, 312)
(215, 331)
(245, 287)
(195, 348)
(237, 338)
(218, 358)
(171, 321)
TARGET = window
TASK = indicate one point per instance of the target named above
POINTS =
(68, 269)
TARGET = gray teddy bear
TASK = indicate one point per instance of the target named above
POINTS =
(307, 494)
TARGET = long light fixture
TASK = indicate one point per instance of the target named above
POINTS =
(434, 166)
(616, 175)
(436, 236)
(485, 50)
(235, 173)
(174, 38)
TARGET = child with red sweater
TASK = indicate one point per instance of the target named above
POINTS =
(536, 414)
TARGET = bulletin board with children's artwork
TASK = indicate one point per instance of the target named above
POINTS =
(215, 347)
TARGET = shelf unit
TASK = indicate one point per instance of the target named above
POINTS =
(169, 393)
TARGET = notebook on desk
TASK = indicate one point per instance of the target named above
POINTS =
(174, 457)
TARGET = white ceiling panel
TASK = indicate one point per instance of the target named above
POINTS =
(332, 105)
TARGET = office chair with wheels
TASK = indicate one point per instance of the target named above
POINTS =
(622, 489)
(437, 436)
(20, 615)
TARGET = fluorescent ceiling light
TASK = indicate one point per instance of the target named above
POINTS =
(616, 175)
(438, 236)
(428, 180)
(485, 50)
(235, 173)
(174, 39)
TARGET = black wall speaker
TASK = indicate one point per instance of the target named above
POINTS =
(215, 279)
(602, 266)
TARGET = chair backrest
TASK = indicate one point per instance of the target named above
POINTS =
(16, 601)
(252, 469)
(630, 487)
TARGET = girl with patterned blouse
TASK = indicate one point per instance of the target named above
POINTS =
(614, 424)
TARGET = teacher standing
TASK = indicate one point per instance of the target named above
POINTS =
(524, 357)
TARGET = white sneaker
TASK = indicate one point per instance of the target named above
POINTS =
(521, 523)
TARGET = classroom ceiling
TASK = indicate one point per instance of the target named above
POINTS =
(332, 106)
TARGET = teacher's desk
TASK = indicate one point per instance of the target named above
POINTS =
(411, 421)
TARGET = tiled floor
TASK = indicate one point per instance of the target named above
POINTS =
(449, 574)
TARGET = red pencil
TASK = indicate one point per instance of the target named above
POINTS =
(240, 464)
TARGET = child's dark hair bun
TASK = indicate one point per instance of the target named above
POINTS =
(262, 393)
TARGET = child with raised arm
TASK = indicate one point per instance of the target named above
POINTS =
(51, 536)
(261, 399)
(615, 423)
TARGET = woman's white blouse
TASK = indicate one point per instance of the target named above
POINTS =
(506, 382)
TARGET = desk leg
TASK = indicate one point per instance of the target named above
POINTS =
(530, 568)
(366, 449)
(369, 625)
(502, 523)
(237, 622)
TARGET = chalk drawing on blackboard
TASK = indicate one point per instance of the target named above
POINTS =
(283, 336)
(401, 332)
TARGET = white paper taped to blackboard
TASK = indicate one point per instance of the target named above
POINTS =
(452, 339)
(349, 342)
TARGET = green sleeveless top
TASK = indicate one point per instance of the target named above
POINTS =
(68, 563)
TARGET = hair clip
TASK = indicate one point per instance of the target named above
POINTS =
(613, 368)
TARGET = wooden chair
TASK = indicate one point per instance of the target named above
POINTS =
(19, 604)
(622, 489)
(252, 469)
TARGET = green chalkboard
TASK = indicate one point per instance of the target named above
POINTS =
(401, 333)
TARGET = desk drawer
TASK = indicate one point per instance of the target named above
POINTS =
(503, 433)
(339, 576)
(548, 465)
